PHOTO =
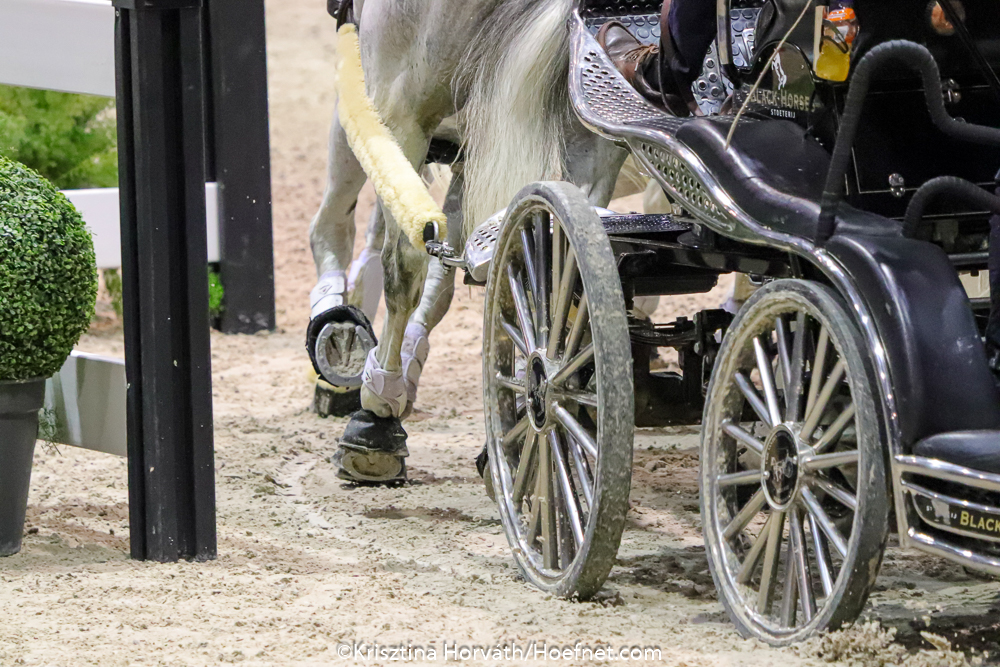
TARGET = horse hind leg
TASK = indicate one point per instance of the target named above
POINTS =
(338, 336)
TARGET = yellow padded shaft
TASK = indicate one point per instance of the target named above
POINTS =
(395, 180)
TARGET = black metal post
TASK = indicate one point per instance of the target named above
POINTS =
(240, 161)
(161, 146)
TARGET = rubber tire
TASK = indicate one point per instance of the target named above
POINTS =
(867, 542)
(609, 326)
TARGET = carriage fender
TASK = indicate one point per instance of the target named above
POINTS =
(937, 364)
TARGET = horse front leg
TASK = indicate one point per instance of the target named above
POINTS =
(439, 290)
(373, 447)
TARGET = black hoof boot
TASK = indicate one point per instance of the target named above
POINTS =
(372, 450)
(330, 401)
(338, 341)
(483, 466)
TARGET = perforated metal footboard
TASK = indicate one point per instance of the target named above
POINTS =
(607, 104)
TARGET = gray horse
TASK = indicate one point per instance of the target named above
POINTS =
(498, 69)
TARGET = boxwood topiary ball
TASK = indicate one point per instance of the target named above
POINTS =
(48, 277)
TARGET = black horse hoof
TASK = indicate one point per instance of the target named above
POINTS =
(483, 467)
(330, 401)
(338, 341)
(372, 450)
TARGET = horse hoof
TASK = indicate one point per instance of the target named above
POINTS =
(483, 466)
(367, 467)
(338, 341)
(330, 401)
(372, 450)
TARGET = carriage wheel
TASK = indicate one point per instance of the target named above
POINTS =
(793, 486)
(558, 390)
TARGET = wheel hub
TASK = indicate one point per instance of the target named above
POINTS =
(780, 467)
(538, 385)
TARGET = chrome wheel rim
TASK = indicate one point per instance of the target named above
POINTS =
(541, 368)
(780, 483)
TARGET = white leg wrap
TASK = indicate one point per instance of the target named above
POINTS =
(367, 269)
(389, 387)
(416, 347)
(330, 291)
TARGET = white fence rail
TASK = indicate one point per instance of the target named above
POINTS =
(65, 45)
(99, 208)
(68, 45)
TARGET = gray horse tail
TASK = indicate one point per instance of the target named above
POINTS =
(514, 77)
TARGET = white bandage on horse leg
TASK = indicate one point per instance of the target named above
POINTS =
(389, 387)
(367, 269)
(330, 291)
(416, 347)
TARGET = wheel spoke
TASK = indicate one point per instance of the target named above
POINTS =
(582, 471)
(576, 430)
(579, 397)
(524, 318)
(517, 386)
(557, 256)
(816, 511)
(770, 571)
(563, 302)
(838, 493)
(767, 379)
(548, 538)
(789, 598)
(833, 432)
(822, 557)
(578, 329)
(582, 358)
(738, 434)
(822, 400)
(824, 461)
(753, 556)
(793, 392)
(524, 470)
(753, 398)
(745, 515)
(801, 562)
(528, 245)
(818, 364)
(741, 478)
(515, 335)
(514, 434)
(568, 495)
(784, 354)
(543, 261)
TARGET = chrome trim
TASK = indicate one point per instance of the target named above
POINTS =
(947, 471)
(939, 547)
(948, 501)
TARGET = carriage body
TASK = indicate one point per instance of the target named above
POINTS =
(908, 338)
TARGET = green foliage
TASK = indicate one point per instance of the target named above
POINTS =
(69, 139)
(113, 284)
(216, 292)
(48, 278)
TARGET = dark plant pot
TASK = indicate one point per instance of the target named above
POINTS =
(19, 406)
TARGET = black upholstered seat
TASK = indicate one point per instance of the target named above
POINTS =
(978, 450)
(772, 169)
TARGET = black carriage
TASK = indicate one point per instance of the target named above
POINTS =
(850, 396)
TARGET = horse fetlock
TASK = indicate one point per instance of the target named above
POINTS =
(330, 291)
(382, 392)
